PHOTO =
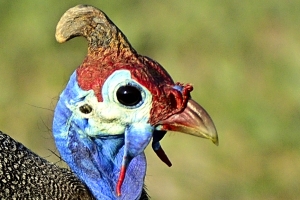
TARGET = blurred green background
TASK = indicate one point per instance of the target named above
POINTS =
(243, 58)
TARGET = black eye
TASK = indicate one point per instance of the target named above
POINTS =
(86, 109)
(129, 95)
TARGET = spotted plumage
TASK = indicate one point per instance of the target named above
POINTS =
(25, 175)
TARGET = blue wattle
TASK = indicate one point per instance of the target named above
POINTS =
(95, 160)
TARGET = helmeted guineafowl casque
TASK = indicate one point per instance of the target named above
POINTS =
(114, 104)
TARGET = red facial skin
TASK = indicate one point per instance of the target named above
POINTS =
(98, 66)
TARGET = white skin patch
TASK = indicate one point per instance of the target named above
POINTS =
(110, 116)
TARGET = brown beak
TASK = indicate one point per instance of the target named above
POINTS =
(193, 120)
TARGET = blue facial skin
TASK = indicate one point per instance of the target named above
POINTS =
(97, 159)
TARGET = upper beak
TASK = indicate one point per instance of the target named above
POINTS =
(193, 120)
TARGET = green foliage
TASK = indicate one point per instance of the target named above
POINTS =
(241, 56)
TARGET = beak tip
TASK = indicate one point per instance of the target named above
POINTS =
(215, 138)
(215, 141)
(210, 132)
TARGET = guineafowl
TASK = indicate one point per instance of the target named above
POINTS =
(115, 103)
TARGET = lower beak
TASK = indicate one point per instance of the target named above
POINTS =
(193, 120)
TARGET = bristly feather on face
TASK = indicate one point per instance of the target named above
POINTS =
(115, 103)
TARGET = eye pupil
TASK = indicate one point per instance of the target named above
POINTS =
(129, 95)
(86, 109)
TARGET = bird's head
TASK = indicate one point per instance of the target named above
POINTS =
(115, 103)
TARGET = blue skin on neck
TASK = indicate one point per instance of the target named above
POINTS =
(97, 159)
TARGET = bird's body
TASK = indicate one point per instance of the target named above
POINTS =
(25, 175)
(114, 104)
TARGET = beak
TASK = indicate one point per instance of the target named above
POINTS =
(193, 120)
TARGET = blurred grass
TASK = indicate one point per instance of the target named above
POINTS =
(242, 57)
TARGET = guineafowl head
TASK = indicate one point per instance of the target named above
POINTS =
(115, 103)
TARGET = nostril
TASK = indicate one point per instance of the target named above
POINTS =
(175, 99)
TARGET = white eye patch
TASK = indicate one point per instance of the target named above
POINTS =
(111, 117)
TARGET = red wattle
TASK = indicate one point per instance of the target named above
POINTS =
(120, 180)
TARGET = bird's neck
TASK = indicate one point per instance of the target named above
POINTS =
(95, 160)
